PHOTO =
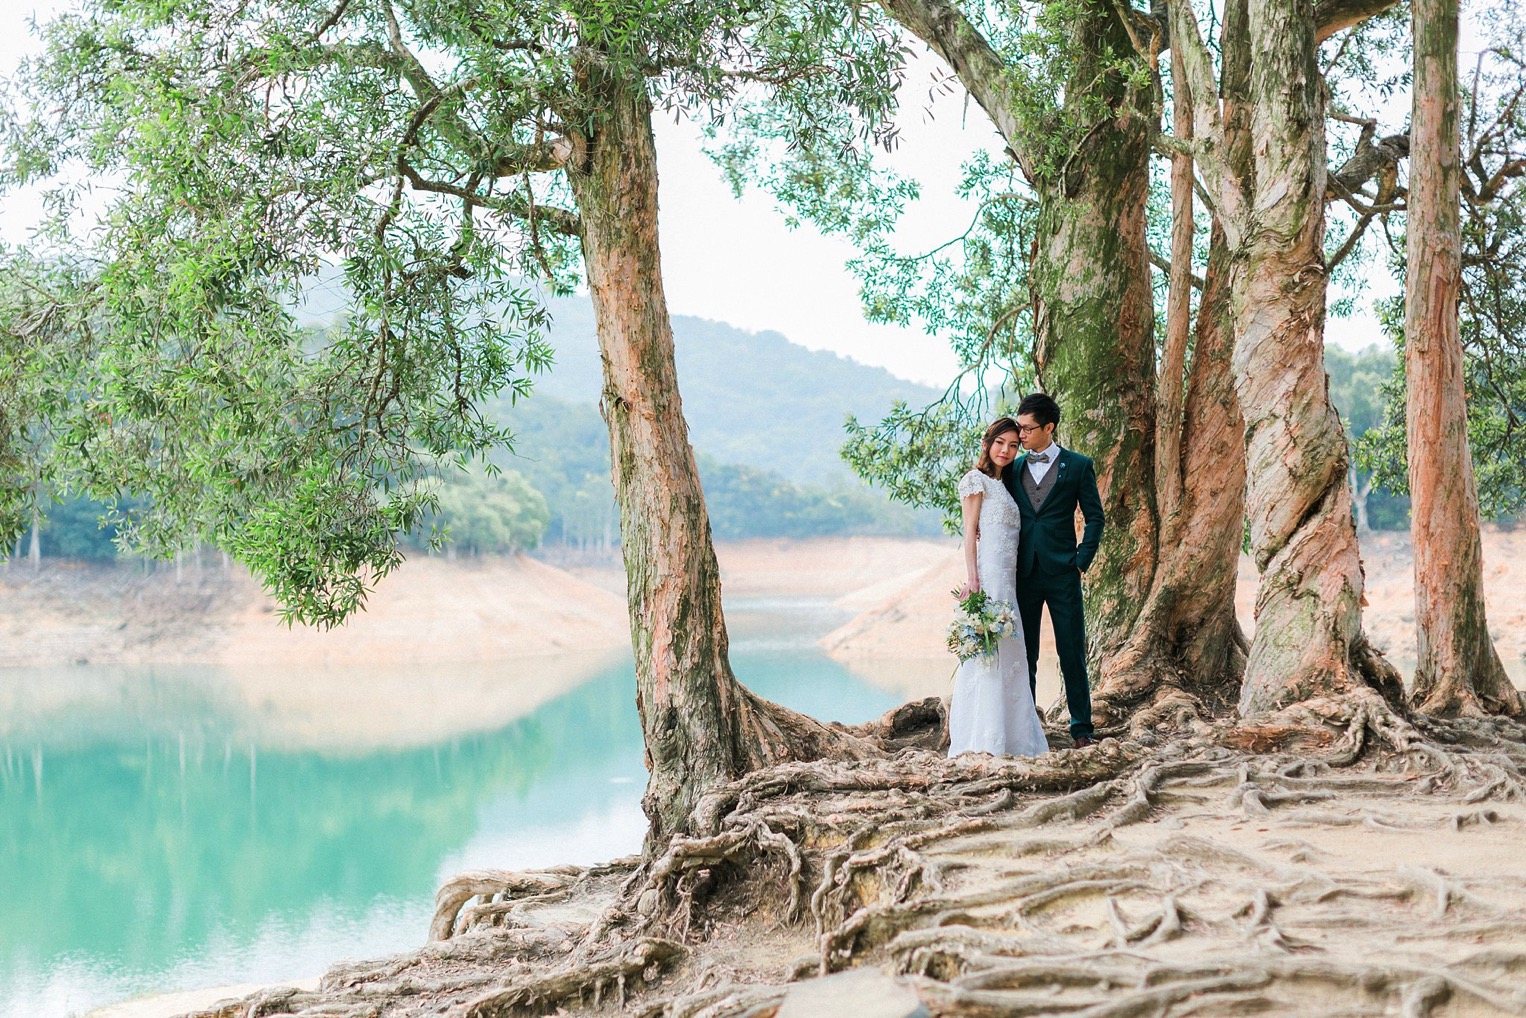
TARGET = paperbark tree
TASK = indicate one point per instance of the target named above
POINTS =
(1309, 640)
(1457, 668)
(1093, 320)
(701, 726)
(1189, 636)
(309, 129)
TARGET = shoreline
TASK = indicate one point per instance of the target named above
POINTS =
(886, 614)
(177, 1002)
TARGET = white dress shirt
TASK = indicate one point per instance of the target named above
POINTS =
(1037, 469)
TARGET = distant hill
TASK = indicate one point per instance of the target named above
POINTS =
(749, 397)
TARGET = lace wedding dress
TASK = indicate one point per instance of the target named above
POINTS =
(992, 709)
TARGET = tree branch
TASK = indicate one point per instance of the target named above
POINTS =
(423, 85)
(559, 220)
(1371, 160)
(1332, 16)
(330, 21)
(1222, 190)
(981, 69)
(1351, 241)
(542, 157)
(1163, 263)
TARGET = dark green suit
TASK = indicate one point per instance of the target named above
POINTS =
(1049, 568)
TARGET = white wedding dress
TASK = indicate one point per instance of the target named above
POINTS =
(992, 709)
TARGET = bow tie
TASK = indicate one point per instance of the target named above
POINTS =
(1038, 457)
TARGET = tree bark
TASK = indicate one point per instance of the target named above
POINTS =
(1094, 315)
(1309, 638)
(1173, 361)
(701, 727)
(1187, 636)
(1097, 356)
(1457, 670)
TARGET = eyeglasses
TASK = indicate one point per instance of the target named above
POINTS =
(1028, 429)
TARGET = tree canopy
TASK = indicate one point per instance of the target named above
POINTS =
(244, 148)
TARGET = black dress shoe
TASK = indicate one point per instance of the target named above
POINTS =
(1082, 741)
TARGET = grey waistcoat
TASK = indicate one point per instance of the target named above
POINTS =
(1040, 491)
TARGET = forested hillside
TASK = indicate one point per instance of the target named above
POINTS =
(765, 416)
(750, 398)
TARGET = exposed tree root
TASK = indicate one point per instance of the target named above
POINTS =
(1204, 874)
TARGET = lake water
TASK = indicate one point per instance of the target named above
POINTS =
(149, 842)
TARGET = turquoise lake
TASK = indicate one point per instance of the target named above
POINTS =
(149, 844)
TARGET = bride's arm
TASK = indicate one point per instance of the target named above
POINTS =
(971, 507)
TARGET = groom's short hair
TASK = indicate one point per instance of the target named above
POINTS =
(1041, 408)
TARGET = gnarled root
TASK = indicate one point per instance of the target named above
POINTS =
(1200, 874)
(617, 970)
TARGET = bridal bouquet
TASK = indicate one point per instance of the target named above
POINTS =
(979, 622)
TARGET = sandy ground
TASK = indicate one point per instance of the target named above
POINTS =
(163, 1005)
(902, 619)
(430, 610)
(442, 648)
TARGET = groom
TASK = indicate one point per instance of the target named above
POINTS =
(1047, 485)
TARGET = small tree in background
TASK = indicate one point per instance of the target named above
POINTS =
(490, 513)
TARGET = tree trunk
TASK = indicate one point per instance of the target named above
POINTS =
(1173, 361)
(1360, 490)
(1309, 638)
(36, 546)
(701, 727)
(1094, 316)
(1097, 356)
(1457, 668)
(1187, 636)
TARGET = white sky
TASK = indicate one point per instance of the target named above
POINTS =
(738, 261)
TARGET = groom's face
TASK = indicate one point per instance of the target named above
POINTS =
(1036, 437)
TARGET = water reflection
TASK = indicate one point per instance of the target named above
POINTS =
(149, 841)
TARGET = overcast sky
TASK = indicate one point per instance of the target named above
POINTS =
(738, 261)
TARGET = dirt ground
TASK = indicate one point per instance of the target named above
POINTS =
(903, 619)
(1196, 880)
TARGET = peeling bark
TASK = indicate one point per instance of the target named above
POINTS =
(1458, 670)
(701, 727)
(1095, 321)
(1173, 361)
(1309, 640)
(1187, 636)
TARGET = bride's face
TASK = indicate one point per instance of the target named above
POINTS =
(1005, 447)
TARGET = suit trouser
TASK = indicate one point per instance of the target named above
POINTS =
(1062, 593)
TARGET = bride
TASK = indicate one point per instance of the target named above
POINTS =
(992, 709)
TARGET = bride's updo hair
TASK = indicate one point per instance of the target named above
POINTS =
(998, 427)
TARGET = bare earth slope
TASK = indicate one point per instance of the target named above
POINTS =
(905, 616)
(430, 610)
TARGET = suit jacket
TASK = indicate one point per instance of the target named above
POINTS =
(1047, 540)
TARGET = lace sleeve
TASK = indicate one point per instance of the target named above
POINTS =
(972, 483)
